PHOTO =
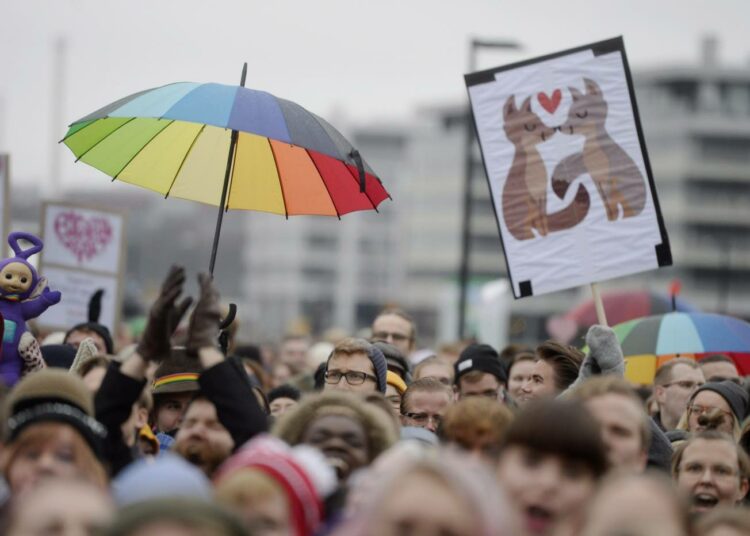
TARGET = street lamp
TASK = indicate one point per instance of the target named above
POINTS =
(475, 45)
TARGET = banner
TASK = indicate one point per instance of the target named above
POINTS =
(84, 251)
(567, 167)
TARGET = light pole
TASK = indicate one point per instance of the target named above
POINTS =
(463, 277)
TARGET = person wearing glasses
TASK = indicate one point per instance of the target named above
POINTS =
(395, 327)
(424, 403)
(674, 383)
(356, 365)
(720, 406)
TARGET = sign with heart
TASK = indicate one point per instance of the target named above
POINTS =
(567, 169)
(84, 236)
(84, 251)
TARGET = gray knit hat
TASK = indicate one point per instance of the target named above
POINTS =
(736, 396)
(374, 354)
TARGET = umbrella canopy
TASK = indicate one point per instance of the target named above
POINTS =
(175, 140)
(627, 305)
(649, 342)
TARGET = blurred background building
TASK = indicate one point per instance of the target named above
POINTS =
(312, 273)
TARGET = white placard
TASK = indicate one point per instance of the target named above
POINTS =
(82, 238)
(77, 288)
(84, 251)
(568, 169)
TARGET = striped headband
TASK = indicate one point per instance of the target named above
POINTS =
(180, 377)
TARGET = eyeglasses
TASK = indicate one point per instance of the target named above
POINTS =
(702, 410)
(353, 377)
(688, 385)
(422, 418)
(383, 336)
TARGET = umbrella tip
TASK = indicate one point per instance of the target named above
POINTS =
(244, 74)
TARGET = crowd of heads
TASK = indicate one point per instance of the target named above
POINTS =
(185, 432)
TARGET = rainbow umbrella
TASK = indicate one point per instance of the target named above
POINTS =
(228, 146)
(649, 342)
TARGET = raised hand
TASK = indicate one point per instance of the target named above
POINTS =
(205, 322)
(164, 317)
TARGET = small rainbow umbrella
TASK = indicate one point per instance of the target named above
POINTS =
(228, 146)
(649, 342)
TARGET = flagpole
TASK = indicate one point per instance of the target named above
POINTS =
(601, 316)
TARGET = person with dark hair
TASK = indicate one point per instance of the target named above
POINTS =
(556, 368)
(718, 368)
(282, 398)
(348, 432)
(479, 372)
(550, 462)
(92, 328)
(712, 470)
(424, 403)
(356, 365)
(396, 327)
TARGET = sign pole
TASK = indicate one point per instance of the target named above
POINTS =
(601, 316)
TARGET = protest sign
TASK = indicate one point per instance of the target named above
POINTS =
(4, 197)
(84, 250)
(567, 167)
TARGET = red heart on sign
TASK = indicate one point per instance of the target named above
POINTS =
(84, 237)
(550, 104)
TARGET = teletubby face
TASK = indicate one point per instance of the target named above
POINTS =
(15, 278)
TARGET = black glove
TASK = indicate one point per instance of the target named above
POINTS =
(164, 317)
(203, 331)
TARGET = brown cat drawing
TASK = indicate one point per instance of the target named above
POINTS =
(524, 198)
(617, 178)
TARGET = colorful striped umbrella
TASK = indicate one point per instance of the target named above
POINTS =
(228, 146)
(649, 342)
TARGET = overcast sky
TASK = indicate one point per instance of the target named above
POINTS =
(359, 61)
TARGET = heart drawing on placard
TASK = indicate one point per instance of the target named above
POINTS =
(82, 236)
(550, 104)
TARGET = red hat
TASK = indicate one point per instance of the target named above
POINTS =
(301, 471)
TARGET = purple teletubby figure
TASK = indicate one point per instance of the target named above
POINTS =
(23, 296)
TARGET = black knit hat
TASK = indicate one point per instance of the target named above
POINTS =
(481, 357)
(53, 395)
(394, 359)
(736, 396)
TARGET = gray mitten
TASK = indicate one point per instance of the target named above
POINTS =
(604, 350)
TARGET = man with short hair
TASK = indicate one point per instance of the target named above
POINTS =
(356, 365)
(435, 367)
(625, 426)
(718, 367)
(424, 403)
(479, 372)
(712, 470)
(293, 353)
(395, 327)
(674, 383)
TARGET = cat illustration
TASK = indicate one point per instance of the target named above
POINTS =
(524, 198)
(617, 178)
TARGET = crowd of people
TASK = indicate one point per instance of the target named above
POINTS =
(186, 432)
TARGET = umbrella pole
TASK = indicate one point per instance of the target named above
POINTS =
(225, 188)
